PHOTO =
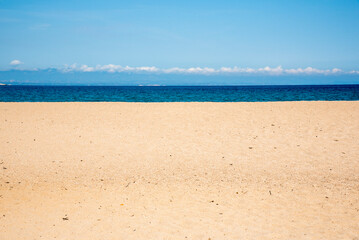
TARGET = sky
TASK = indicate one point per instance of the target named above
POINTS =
(231, 39)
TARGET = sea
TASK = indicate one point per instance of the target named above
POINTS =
(19, 93)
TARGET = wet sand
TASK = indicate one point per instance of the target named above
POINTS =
(285, 170)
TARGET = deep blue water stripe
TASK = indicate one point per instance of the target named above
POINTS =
(178, 94)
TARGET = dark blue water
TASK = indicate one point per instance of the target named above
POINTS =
(178, 94)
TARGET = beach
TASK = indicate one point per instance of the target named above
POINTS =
(265, 170)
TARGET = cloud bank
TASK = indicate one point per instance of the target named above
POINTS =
(111, 68)
(265, 71)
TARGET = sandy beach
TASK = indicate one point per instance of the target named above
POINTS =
(285, 170)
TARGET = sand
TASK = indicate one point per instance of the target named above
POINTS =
(285, 170)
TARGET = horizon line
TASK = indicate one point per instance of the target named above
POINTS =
(112, 68)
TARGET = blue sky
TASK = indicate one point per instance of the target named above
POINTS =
(158, 37)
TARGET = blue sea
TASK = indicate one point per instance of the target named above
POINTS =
(178, 94)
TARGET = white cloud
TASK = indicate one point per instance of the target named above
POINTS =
(85, 68)
(15, 62)
(147, 69)
(276, 71)
(310, 70)
(112, 68)
(336, 70)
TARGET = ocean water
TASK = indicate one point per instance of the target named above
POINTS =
(178, 94)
